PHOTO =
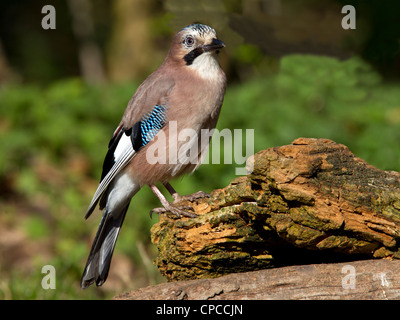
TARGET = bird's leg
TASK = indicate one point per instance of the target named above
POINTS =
(172, 191)
(168, 206)
(177, 197)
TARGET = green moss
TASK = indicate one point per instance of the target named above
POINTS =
(302, 236)
(306, 216)
(347, 245)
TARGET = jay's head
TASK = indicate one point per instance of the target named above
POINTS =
(194, 41)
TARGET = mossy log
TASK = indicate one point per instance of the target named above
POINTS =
(309, 202)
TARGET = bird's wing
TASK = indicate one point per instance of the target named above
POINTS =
(146, 114)
(155, 90)
(119, 154)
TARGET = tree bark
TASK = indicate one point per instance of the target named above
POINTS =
(368, 279)
(132, 50)
(310, 202)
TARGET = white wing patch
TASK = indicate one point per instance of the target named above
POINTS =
(124, 144)
(124, 153)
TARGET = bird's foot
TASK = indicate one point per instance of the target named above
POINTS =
(191, 197)
(179, 211)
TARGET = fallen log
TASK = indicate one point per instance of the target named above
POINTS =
(361, 280)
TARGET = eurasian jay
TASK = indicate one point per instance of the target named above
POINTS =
(186, 91)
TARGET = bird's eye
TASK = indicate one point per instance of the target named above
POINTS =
(189, 41)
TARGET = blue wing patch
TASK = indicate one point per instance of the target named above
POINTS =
(152, 123)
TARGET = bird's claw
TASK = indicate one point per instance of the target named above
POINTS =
(178, 211)
(192, 197)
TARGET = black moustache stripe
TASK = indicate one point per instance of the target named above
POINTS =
(189, 58)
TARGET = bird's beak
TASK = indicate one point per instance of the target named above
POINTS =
(215, 44)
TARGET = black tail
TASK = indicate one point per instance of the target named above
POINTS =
(99, 260)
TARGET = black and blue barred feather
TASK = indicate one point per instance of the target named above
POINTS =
(141, 133)
(152, 123)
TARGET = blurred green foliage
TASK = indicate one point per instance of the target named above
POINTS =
(321, 97)
(53, 140)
